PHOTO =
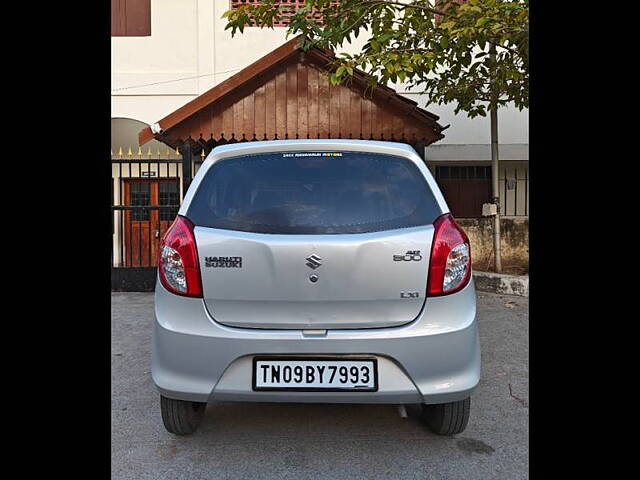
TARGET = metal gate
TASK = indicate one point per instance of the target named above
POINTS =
(146, 193)
(466, 188)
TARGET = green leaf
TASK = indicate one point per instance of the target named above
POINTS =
(440, 59)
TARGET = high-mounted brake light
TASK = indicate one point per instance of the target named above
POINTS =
(178, 260)
(450, 265)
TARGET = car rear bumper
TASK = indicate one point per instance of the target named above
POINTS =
(434, 359)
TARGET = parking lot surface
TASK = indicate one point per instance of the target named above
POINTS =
(302, 441)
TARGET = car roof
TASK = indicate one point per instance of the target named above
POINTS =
(280, 145)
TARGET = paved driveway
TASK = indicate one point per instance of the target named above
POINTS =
(297, 441)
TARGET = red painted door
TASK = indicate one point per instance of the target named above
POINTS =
(144, 226)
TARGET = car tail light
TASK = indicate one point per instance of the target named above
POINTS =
(450, 266)
(178, 260)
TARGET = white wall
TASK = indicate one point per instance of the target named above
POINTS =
(144, 70)
(513, 125)
(187, 53)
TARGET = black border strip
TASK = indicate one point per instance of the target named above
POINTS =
(256, 359)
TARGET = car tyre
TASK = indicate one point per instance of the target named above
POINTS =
(447, 418)
(181, 417)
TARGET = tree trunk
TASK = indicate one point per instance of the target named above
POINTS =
(495, 172)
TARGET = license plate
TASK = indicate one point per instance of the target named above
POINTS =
(315, 374)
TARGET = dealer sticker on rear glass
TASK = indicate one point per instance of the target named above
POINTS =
(312, 154)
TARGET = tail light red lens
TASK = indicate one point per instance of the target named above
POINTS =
(450, 266)
(178, 260)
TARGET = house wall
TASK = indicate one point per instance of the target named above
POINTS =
(188, 40)
(187, 53)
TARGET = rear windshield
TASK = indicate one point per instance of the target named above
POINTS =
(313, 193)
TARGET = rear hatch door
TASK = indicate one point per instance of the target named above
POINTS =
(314, 241)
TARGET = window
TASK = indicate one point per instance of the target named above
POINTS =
(168, 195)
(313, 193)
(464, 173)
(140, 197)
(288, 8)
(130, 18)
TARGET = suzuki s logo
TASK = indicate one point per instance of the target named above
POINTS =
(313, 261)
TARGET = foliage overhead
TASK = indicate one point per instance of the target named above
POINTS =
(442, 48)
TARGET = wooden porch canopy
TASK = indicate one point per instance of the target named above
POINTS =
(286, 95)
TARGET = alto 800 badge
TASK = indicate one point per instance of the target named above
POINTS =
(410, 256)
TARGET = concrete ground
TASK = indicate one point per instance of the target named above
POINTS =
(298, 441)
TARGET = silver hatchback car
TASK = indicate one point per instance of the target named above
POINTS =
(315, 271)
